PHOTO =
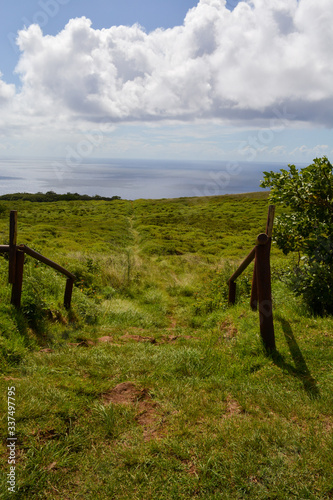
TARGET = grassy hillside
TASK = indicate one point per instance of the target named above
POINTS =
(151, 387)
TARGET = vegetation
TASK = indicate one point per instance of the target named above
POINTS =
(151, 387)
(52, 196)
(307, 228)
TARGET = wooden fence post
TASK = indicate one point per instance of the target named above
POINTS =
(12, 245)
(232, 292)
(16, 265)
(254, 290)
(17, 285)
(68, 293)
(270, 220)
(268, 231)
(263, 272)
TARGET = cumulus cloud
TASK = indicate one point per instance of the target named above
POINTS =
(244, 65)
(7, 92)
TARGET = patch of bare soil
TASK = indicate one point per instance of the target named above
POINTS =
(172, 338)
(173, 323)
(328, 424)
(233, 407)
(147, 417)
(162, 340)
(51, 466)
(191, 467)
(138, 338)
(124, 393)
(90, 343)
(82, 343)
(106, 339)
(45, 435)
(128, 337)
(228, 330)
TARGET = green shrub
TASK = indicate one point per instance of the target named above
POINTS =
(314, 282)
(306, 226)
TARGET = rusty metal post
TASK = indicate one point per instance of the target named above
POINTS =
(12, 245)
(68, 293)
(263, 273)
(232, 292)
(17, 285)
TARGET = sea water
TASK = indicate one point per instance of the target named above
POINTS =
(131, 178)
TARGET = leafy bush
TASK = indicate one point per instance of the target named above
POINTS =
(314, 282)
(307, 227)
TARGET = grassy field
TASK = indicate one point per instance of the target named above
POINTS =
(151, 387)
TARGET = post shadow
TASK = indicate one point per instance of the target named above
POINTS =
(300, 370)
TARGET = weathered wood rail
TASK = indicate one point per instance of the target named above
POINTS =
(261, 292)
(16, 265)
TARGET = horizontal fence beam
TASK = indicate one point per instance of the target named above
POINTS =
(243, 265)
(262, 239)
(46, 261)
(4, 248)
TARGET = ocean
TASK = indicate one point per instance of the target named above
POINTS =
(132, 179)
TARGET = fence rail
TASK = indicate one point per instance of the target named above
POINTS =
(16, 265)
(261, 293)
(46, 261)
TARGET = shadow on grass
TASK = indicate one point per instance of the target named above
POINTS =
(300, 370)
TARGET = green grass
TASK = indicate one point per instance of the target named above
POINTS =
(181, 401)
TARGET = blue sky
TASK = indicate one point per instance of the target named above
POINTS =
(209, 79)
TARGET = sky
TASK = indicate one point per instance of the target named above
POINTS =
(247, 80)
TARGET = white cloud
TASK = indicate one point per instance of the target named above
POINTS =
(278, 151)
(7, 92)
(314, 152)
(239, 66)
